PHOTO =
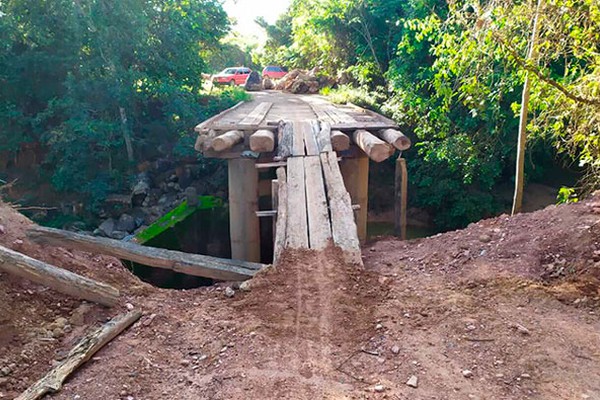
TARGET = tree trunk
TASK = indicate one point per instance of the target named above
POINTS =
(522, 141)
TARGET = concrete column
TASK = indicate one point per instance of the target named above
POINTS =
(244, 226)
(356, 179)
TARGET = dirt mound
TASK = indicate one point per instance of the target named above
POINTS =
(505, 309)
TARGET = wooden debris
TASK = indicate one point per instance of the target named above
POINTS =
(56, 278)
(281, 225)
(324, 138)
(285, 140)
(52, 382)
(375, 148)
(395, 138)
(227, 140)
(262, 141)
(297, 226)
(339, 141)
(319, 228)
(190, 264)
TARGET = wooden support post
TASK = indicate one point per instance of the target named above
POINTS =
(243, 203)
(59, 279)
(356, 179)
(274, 204)
(281, 229)
(401, 198)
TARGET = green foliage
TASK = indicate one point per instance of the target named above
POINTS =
(567, 195)
(102, 84)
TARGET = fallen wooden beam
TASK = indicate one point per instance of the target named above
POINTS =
(88, 346)
(375, 148)
(262, 141)
(395, 138)
(339, 141)
(190, 264)
(227, 140)
(56, 278)
(281, 224)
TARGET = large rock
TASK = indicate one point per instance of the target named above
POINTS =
(106, 228)
(268, 84)
(253, 82)
(126, 223)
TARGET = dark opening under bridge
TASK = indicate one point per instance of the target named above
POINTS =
(321, 152)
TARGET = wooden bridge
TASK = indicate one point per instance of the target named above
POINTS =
(320, 152)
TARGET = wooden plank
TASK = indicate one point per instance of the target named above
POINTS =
(395, 138)
(375, 148)
(88, 346)
(343, 227)
(321, 113)
(190, 264)
(356, 179)
(205, 125)
(275, 164)
(339, 141)
(274, 205)
(324, 138)
(59, 279)
(298, 134)
(297, 225)
(340, 116)
(281, 224)
(285, 140)
(256, 116)
(319, 226)
(309, 131)
(244, 226)
(262, 141)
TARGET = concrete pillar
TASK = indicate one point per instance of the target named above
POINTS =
(356, 179)
(244, 226)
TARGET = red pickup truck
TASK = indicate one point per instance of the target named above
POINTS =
(232, 76)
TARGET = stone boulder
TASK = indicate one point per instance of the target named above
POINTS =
(126, 223)
(253, 82)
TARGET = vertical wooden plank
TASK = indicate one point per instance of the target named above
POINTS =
(319, 227)
(243, 203)
(356, 178)
(324, 138)
(297, 225)
(281, 229)
(343, 226)
(401, 198)
(285, 139)
(298, 145)
(309, 133)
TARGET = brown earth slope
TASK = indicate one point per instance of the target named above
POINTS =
(505, 309)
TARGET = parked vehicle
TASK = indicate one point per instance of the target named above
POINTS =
(232, 76)
(274, 72)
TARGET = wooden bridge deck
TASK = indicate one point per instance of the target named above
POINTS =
(305, 137)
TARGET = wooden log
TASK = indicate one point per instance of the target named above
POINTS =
(356, 179)
(375, 148)
(243, 204)
(88, 346)
(297, 225)
(56, 278)
(190, 264)
(343, 226)
(206, 141)
(395, 138)
(285, 140)
(401, 198)
(281, 225)
(227, 140)
(324, 138)
(319, 226)
(267, 165)
(262, 141)
(339, 141)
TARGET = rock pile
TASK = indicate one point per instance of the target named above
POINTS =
(300, 81)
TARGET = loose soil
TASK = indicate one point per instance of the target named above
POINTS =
(505, 309)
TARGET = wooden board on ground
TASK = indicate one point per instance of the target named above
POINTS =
(85, 349)
(190, 264)
(319, 228)
(56, 278)
(256, 116)
(344, 230)
(297, 225)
